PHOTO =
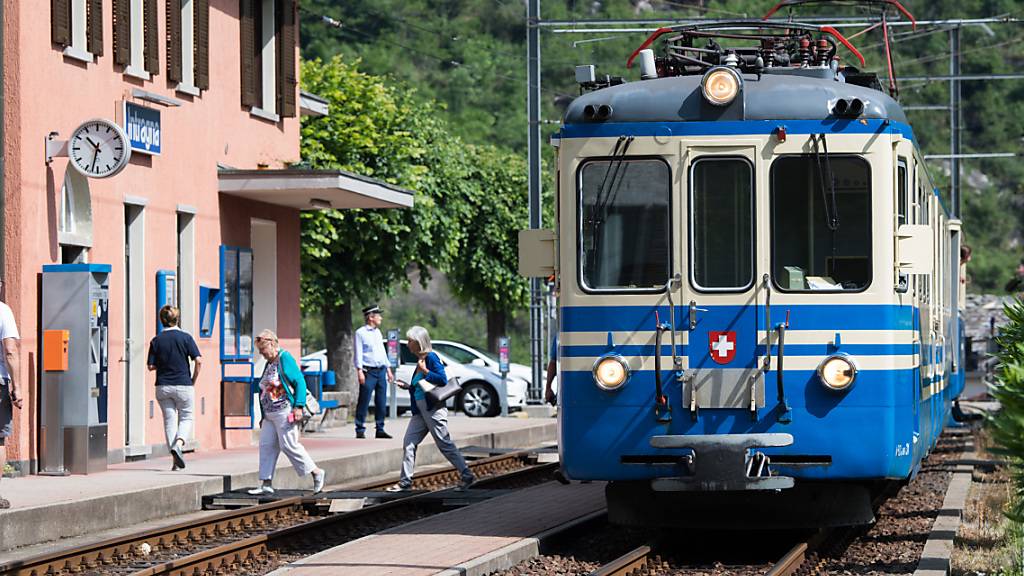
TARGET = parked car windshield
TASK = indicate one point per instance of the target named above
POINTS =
(460, 355)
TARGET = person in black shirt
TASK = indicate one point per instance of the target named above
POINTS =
(169, 355)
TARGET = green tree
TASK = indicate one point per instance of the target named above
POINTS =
(485, 273)
(356, 256)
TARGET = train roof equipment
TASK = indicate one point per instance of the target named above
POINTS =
(737, 70)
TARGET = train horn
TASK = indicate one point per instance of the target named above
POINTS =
(848, 108)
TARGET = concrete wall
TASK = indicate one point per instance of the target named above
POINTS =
(46, 91)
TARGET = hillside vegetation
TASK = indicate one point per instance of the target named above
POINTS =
(469, 55)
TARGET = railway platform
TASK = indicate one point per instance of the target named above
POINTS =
(478, 539)
(49, 508)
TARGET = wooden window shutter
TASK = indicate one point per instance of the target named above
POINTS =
(247, 41)
(201, 36)
(122, 32)
(151, 36)
(60, 22)
(287, 39)
(174, 41)
(94, 27)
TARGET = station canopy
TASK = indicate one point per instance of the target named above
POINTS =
(306, 189)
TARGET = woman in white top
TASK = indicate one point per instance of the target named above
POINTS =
(282, 396)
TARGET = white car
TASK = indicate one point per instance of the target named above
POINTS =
(468, 355)
(480, 386)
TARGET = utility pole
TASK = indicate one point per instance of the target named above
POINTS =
(954, 120)
(534, 179)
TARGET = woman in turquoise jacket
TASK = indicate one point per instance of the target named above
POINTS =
(426, 417)
(282, 396)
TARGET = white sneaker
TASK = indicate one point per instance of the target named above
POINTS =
(261, 490)
(318, 481)
(397, 488)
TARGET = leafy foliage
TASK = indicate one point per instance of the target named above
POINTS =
(485, 271)
(385, 133)
(1008, 424)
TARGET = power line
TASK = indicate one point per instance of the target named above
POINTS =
(445, 60)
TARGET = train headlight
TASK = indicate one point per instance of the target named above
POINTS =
(837, 372)
(611, 372)
(720, 86)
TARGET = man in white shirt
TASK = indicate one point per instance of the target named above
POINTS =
(373, 369)
(10, 394)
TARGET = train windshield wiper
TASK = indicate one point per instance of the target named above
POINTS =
(828, 197)
(609, 188)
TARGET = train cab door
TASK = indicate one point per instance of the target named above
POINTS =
(719, 305)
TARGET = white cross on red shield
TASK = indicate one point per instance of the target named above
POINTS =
(722, 346)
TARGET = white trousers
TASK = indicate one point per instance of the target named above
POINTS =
(176, 403)
(278, 435)
(436, 424)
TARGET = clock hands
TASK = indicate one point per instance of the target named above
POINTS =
(95, 154)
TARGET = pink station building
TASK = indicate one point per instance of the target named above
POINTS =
(204, 215)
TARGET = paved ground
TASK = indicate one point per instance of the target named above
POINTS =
(452, 541)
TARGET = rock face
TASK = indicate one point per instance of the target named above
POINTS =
(983, 315)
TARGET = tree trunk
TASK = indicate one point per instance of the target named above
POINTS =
(495, 329)
(339, 336)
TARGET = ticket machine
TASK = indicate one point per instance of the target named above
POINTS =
(73, 428)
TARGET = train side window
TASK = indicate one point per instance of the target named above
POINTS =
(625, 235)
(722, 226)
(821, 232)
(901, 187)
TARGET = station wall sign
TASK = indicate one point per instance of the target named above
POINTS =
(142, 125)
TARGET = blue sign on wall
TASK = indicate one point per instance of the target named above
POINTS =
(143, 128)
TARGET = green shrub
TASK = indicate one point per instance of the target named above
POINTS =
(1007, 425)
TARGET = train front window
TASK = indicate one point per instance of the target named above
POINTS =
(722, 226)
(624, 208)
(821, 223)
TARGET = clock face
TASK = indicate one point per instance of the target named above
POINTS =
(99, 149)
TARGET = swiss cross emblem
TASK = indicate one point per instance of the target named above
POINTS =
(722, 346)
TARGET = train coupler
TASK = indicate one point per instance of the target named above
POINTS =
(720, 462)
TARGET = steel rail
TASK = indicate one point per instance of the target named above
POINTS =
(626, 564)
(127, 548)
(791, 562)
(110, 550)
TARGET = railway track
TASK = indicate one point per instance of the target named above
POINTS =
(248, 540)
(642, 561)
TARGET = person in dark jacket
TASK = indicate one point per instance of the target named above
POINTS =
(425, 416)
(169, 355)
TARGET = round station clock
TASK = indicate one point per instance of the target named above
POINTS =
(99, 148)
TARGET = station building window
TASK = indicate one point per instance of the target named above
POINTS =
(625, 215)
(269, 40)
(136, 37)
(722, 226)
(77, 27)
(821, 223)
(188, 45)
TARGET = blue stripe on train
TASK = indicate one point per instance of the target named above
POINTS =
(801, 317)
(790, 350)
(734, 128)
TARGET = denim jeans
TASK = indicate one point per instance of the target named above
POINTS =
(376, 383)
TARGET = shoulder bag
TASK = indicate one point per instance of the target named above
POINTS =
(312, 406)
(438, 395)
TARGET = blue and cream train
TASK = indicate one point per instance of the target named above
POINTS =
(759, 283)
